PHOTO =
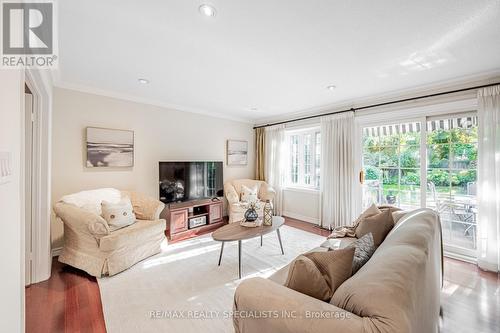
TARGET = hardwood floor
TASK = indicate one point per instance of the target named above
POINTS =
(70, 301)
(470, 299)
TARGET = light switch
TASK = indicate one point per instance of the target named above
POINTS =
(5, 167)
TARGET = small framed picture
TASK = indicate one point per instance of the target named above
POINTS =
(109, 147)
(237, 152)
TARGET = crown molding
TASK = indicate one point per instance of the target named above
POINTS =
(141, 100)
(456, 83)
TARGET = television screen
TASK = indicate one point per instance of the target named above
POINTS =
(183, 181)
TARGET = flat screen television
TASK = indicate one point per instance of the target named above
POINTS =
(185, 181)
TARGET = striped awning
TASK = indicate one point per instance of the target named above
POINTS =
(432, 125)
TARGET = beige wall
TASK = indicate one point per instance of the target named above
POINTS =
(160, 135)
(11, 237)
(301, 204)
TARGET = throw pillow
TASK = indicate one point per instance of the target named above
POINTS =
(370, 211)
(118, 215)
(364, 248)
(350, 230)
(378, 225)
(319, 274)
(249, 194)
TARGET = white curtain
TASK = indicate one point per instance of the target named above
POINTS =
(274, 163)
(489, 178)
(337, 179)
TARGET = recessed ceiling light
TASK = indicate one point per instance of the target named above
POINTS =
(331, 87)
(143, 81)
(207, 10)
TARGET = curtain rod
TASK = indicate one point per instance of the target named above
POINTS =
(377, 105)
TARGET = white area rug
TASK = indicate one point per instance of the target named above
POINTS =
(184, 278)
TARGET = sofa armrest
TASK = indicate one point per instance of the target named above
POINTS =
(267, 192)
(231, 194)
(262, 305)
(142, 231)
(145, 207)
(81, 221)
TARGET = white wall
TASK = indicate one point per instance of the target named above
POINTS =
(301, 204)
(160, 135)
(11, 237)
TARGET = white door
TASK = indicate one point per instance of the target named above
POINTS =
(28, 213)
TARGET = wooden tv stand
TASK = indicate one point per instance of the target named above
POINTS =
(179, 214)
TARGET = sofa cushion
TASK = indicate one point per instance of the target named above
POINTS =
(91, 200)
(319, 274)
(364, 249)
(118, 215)
(249, 194)
(330, 244)
(399, 285)
(378, 225)
(281, 275)
(145, 207)
(350, 230)
(370, 211)
(238, 183)
(132, 236)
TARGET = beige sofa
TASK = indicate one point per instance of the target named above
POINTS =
(397, 290)
(236, 208)
(91, 246)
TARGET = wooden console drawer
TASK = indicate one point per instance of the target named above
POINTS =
(215, 212)
(178, 220)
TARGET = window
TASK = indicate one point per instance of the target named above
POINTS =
(294, 159)
(391, 164)
(317, 158)
(304, 158)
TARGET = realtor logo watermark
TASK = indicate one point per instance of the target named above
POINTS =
(28, 34)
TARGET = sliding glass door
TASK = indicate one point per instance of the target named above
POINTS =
(451, 179)
(435, 156)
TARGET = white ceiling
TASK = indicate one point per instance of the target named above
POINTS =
(275, 55)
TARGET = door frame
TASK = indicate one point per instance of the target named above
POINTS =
(41, 194)
(29, 180)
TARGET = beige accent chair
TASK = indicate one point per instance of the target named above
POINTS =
(90, 245)
(236, 208)
(397, 290)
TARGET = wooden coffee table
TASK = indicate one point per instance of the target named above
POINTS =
(235, 232)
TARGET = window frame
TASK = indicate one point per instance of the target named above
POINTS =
(301, 133)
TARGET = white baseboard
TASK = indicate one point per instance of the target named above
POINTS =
(460, 257)
(296, 216)
(56, 252)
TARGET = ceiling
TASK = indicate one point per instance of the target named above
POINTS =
(276, 56)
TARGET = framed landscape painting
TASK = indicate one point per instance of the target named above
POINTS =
(237, 152)
(109, 147)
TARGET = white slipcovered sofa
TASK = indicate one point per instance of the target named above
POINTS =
(397, 290)
(236, 208)
(90, 245)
